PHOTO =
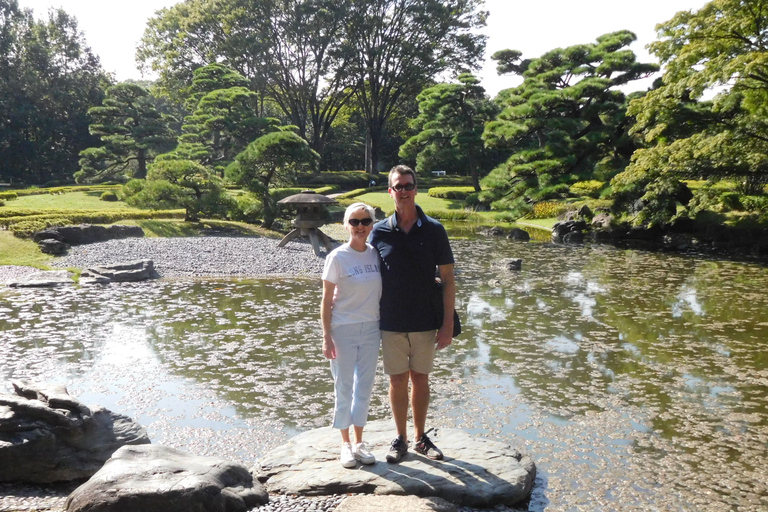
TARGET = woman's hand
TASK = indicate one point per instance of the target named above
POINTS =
(329, 348)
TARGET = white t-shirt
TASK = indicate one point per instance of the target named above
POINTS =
(358, 284)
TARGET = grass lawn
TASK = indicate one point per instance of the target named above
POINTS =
(15, 251)
(385, 202)
(69, 201)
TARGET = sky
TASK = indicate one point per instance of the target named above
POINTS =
(532, 27)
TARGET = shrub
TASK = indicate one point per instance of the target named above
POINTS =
(8, 196)
(554, 192)
(451, 192)
(247, 208)
(731, 201)
(108, 196)
(755, 203)
(27, 224)
(547, 210)
(590, 188)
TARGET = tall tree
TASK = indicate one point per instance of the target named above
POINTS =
(724, 44)
(132, 131)
(396, 46)
(290, 50)
(567, 120)
(450, 123)
(272, 160)
(224, 120)
(48, 80)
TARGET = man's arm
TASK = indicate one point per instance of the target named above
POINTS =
(445, 333)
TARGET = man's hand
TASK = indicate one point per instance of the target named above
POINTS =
(444, 336)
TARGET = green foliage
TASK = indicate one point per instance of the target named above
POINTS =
(25, 225)
(755, 203)
(8, 196)
(49, 78)
(270, 161)
(108, 196)
(132, 131)
(223, 121)
(344, 179)
(396, 47)
(547, 210)
(180, 184)
(450, 126)
(248, 208)
(721, 44)
(451, 192)
(731, 201)
(566, 122)
(589, 188)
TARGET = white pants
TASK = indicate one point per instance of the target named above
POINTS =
(353, 370)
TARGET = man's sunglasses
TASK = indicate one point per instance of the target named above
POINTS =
(400, 188)
(357, 222)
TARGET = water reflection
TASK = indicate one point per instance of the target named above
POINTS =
(636, 380)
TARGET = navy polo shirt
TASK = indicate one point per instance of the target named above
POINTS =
(408, 265)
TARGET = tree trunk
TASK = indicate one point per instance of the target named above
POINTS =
(373, 145)
(141, 158)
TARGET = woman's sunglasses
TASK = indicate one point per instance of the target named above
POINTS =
(357, 222)
(400, 188)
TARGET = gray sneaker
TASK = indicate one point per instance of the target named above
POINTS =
(397, 450)
(426, 447)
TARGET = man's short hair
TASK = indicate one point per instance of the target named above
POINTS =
(402, 170)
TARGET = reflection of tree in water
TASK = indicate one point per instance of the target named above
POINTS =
(256, 342)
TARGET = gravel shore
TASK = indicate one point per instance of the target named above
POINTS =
(201, 256)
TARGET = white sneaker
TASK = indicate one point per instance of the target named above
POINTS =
(347, 458)
(363, 454)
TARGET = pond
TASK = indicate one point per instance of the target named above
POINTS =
(635, 380)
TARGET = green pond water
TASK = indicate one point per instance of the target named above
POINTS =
(635, 380)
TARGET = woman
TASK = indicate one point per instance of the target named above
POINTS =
(351, 336)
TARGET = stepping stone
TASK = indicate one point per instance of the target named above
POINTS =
(476, 472)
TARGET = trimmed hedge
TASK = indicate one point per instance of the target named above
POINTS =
(24, 226)
(55, 190)
(460, 193)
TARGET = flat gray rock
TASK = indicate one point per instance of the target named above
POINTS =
(44, 279)
(156, 478)
(476, 472)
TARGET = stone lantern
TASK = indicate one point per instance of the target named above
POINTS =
(311, 214)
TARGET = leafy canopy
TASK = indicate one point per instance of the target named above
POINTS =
(566, 122)
(450, 124)
(722, 45)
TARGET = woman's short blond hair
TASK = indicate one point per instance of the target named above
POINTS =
(359, 206)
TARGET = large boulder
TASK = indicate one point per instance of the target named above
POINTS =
(48, 436)
(520, 235)
(560, 229)
(156, 478)
(476, 472)
(53, 246)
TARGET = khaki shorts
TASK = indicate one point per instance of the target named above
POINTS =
(403, 351)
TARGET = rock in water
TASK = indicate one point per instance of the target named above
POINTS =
(48, 436)
(476, 472)
(155, 478)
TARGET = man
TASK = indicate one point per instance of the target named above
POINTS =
(411, 246)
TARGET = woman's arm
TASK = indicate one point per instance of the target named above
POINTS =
(329, 349)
